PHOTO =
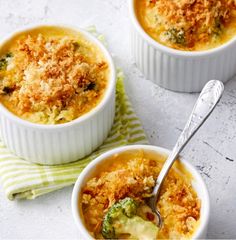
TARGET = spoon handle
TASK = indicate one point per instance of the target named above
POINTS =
(205, 104)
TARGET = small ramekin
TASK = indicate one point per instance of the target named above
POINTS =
(62, 143)
(92, 169)
(176, 70)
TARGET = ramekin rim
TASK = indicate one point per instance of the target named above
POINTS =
(172, 51)
(78, 185)
(107, 95)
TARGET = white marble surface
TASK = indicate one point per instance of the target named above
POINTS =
(163, 113)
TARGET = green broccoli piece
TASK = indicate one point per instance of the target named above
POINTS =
(90, 86)
(76, 46)
(176, 36)
(3, 64)
(217, 28)
(4, 61)
(121, 219)
(9, 55)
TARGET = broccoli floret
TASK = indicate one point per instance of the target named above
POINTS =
(90, 86)
(176, 36)
(4, 61)
(76, 46)
(3, 64)
(217, 28)
(121, 219)
(9, 55)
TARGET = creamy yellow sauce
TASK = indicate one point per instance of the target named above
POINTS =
(152, 23)
(125, 175)
(53, 75)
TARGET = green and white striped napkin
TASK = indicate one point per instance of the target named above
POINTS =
(22, 179)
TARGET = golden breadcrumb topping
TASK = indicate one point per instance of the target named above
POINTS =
(185, 23)
(133, 175)
(52, 79)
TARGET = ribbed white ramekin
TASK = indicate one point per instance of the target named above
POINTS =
(62, 143)
(92, 169)
(177, 70)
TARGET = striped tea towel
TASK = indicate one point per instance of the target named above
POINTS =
(22, 179)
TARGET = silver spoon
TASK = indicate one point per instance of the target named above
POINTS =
(204, 106)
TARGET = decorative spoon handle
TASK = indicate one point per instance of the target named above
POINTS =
(205, 104)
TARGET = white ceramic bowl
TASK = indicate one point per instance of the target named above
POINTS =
(62, 143)
(177, 70)
(91, 170)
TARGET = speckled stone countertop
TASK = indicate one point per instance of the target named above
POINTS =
(163, 114)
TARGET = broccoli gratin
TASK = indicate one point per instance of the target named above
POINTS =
(189, 25)
(51, 75)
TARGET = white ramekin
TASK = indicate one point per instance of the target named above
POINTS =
(92, 169)
(176, 70)
(62, 143)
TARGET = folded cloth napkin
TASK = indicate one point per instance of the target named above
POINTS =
(22, 179)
